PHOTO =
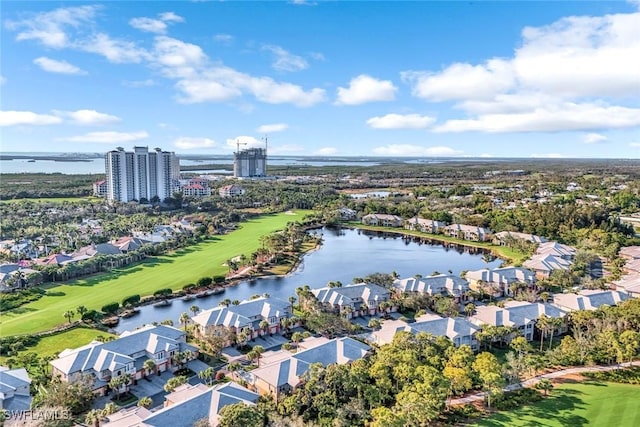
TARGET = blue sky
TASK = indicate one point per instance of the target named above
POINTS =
(444, 78)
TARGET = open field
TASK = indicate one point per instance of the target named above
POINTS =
(584, 404)
(56, 200)
(511, 256)
(54, 344)
(169, 271)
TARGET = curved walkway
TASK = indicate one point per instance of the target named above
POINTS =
(551, 375)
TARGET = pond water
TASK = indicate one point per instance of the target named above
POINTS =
(344, 254)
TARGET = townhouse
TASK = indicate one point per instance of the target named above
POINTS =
(459, 330)
(424, 225)
(498, 281)
(519, 315)
(353, 300)
(383, 220)
(544, 264)
(285, 374)
(439, 284)
(502, 238)
(246, 315)
(123, 356)
(14, 389)
(185, 406)
(232, 190)
(589, 299)
(467, 232)
(630, 284)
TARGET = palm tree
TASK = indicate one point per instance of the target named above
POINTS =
(145, 402)
(184, 319)
(296, 338)
(543, 325)
(149, 366)
(554, 323)
(81, 310)
(225, 302)
(94, 417)
(469, 309)
(206, 375)
(292, 300)
(194, 309)
(264, 326)
(235, 302)
(258, 350)
(69, 315)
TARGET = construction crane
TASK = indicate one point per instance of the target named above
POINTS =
(238, 144)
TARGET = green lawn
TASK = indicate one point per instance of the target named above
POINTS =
(575, 405)
(72, 338)
(169, 271)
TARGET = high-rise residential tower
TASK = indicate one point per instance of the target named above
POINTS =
(141, 174)
(250, 162)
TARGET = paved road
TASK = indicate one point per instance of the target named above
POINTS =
(532, 381)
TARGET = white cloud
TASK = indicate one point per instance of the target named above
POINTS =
(565, 117)
(400, 121)
(326, 151)
(245, 142)
(88, 117)
(158, 26)
(363, 89)
(462, 81)
(560, 78)
(634, 144)
(284, 60)
(109, 137)
(187, 143)
(115, 50)
(149, 25)
(54, 66)
(286, 148)
(275, 127)
(171, 17)
(593, 138)
(317, 56)
(223, 38)
(416, 150)
(15, 118)
(548, 156)
(50, 28)
(139, 83)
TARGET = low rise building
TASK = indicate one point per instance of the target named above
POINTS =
(232, 190)
(353, 300)
(589, 299)
(439, 284)
(382, 220)
(246, 315)
(503, 237)
(424, 225)
(123, 356)
(498, 281)
(286, 374)
(100, 188)
(467, 232)
(14, 389)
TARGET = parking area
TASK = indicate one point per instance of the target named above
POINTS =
(269, 342)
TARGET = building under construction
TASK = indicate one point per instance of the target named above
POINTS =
(250, 163)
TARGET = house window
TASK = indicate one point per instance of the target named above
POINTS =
(118, 373)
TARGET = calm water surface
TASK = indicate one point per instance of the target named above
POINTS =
(344, 254)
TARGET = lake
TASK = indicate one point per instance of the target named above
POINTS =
(344, 254)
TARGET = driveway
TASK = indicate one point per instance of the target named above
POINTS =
(197, 366)
(269, 342)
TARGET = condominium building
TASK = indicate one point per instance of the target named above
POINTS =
(249, 163)
(140, 174)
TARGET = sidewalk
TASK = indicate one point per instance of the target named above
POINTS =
(533, 381)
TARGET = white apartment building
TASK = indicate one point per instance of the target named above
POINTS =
(141, 174)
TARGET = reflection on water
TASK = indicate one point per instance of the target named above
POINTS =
(344, 254)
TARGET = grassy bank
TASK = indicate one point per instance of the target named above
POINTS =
(503, 252)
(169, 271)
(585, 404)
(54, 344)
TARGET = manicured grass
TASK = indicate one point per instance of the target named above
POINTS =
(593, 404)
(56, 199)
(54, 344)
(170, 271)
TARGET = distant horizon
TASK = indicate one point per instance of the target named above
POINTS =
(319, 156)
(434, 79)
